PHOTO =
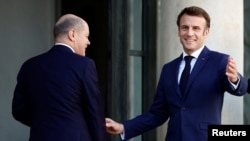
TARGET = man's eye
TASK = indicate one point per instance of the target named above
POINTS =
(196, 28)
(184, 28)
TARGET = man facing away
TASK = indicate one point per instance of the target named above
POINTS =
(57, 93)
(200, 104)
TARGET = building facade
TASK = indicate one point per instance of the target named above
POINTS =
(130, 42)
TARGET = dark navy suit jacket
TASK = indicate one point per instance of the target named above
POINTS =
(57, 95)
(201, 105)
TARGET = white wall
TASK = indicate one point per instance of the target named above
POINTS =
(25, 30)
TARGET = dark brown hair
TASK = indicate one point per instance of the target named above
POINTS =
(194, 11)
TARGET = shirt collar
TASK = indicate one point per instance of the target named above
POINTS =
(194, 54)
(66, 46)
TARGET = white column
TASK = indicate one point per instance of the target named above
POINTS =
(226, 35)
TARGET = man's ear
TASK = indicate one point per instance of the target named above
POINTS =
(72, 35)
(206, 32)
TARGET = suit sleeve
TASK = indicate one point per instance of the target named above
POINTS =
(20, 103)
(95, 114)
(242, 87)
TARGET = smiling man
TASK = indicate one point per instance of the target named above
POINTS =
(190, 102)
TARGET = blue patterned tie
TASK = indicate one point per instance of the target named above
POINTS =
(185, 74)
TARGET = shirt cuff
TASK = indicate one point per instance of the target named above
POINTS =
(235, 85)
(122, 135)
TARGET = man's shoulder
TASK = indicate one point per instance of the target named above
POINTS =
(34, 58)
(217, 54)
(208, 53)
(172, 63)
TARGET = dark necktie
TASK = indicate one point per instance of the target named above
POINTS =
(185, 74)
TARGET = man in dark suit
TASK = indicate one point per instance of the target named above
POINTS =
(57, 93)
(200, 104)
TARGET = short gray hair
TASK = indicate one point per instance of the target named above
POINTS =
(61, 28)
